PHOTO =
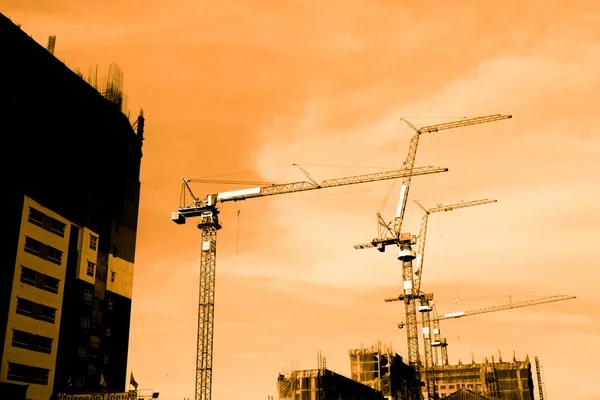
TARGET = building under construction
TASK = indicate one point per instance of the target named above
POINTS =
(382, 369)
(71, 195)
(494, 379)
(322, 384)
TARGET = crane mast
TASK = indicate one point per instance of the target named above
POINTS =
(426, 300)
(391, 233)
(208, 213)
(539, 378)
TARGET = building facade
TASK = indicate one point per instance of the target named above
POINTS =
(497, 379)
(382, 369)
(323, 384)
(70, 169)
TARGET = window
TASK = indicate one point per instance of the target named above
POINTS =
(114, 251)
(112, 276)
(46, 222)
(106, 357)
(25, 307)
(32, 246)
(58, 228)
(87, 296)
(36, 217)
(85, 323)
(43, 251)
(107, 330)
(110, 303)
(50, 284)
(47, 314)
(82, 351)
(93, 242)
(39, 280)
(450, 386)
(79, 380)
(27, 374)
(28, 276)
(90, 268)
(54, 255)
(29, 341)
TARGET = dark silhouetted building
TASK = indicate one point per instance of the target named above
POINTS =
(70, 168)
(382, 369)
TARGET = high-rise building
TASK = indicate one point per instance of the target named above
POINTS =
(70, 167)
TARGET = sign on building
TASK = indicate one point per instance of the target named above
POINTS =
(131, 395)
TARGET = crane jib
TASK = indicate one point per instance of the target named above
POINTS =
(302, 186)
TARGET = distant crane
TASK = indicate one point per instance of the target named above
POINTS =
(501, 307)
(207, 211)
(390, 233)
(426, 300)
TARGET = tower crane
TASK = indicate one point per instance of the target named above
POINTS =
(208, 213)
(390, 233)
(426, 300)
(501, 307)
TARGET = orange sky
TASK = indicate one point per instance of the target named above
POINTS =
(234, 88)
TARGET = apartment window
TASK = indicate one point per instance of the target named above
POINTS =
(469, 386)
(443, 387)
(36, 217)
(43, 251)
(54, 255)
(39, 280)
(35, 310)
(47, 314)
(110, 303)
(112, 276)
(27, 374)
(85, 323)
(32, 246)
(58, 227)
(28, 276)
(25, 307)
(46, 222)
(107, 330)
(450, 387)
(29, 341)
(90, 268)
(51, 284)
(82, 351)
(93, 242)
(106, 357)
(87, 296)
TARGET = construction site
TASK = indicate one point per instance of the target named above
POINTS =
(377, 372)
(427, 373)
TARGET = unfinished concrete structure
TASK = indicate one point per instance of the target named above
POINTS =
(497, 380)
(382, 369)
(322, 384)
